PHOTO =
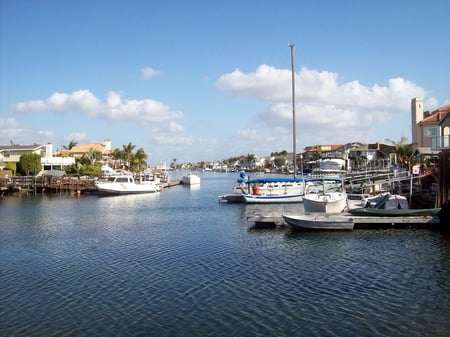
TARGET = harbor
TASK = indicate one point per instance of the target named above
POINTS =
(179, 262)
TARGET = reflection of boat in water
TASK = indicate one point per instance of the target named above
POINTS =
(124, 184)
(319, 222)
(190, 179)
(326, 195)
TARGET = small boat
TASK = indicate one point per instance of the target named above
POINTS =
(325, 195)
(319, 222)
(190, 179)
(386, 201)
(124, 184)
(393, 212)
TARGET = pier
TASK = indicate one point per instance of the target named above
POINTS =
(267, 221)
(78, 185)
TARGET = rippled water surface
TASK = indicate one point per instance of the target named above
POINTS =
(179, 263)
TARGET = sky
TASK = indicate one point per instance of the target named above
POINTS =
(206, 80)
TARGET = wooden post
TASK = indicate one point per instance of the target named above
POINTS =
(444, 177)
(444, 186)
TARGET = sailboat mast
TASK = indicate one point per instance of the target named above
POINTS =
(293, 109)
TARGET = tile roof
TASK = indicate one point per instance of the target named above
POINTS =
(437, 115)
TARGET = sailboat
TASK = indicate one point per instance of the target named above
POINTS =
(293, 189)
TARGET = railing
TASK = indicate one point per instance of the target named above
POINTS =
(440, 143)
(53, 183)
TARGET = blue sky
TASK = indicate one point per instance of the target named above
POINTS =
(207, 80)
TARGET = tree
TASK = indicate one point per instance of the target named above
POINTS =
(72, 143)
(30, 163)
(91, 156)
(128, 150)
(138, 161)
(11, 166)
(402, 149)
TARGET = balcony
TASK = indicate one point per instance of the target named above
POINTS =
(440, 143)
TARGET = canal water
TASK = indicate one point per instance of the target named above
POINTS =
(179, 263)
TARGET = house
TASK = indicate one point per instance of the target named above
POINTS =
(104, 149)
(12, 153)
(431, 133)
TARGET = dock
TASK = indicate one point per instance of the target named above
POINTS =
(266, 221)
(56, 184)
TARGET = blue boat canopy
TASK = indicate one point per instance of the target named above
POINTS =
(275, 180)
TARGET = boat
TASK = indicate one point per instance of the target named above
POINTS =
(326, 195)
(190, 179)
(319, 222)
(272, 198)
(124, 184)
(386, 201)
(394, 212)
(274, 190)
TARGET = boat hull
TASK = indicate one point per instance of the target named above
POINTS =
(118, 189)
(319, 222)
(324, 204)
(272, 199)
(394, 212)
(190, 179)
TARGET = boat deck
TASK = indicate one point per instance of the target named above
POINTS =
(361, 222)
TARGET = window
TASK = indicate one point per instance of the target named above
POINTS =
(431, 132)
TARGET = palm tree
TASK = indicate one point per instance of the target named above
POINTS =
(92, 155)
(128, 150)
(138, 160)
(402, 149)
(72, 143)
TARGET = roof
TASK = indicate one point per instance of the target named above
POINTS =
(437, 115)
(83, 148)
(20, 147)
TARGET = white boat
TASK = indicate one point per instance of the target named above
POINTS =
(274, 190)
(326, 195)
(272, 198)
(124, 184)
(190, 179)
(319, 222)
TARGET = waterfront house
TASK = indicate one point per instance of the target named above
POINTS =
(11, 153)
(430, 133)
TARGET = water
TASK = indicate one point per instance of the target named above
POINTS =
(181, 264)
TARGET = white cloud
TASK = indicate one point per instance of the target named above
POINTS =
(148, 72)
(327, 109)
(12, 131)
(249, 134)
(79, 137)
(175, 127)
(115, 108)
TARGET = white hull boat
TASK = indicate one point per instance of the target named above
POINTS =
(124, 184)
(274, 190)
(319, 222)
(325, 196)
(271, 199)
(190, 179)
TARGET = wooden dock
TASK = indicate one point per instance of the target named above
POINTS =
(264, 221)
(56, 184)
